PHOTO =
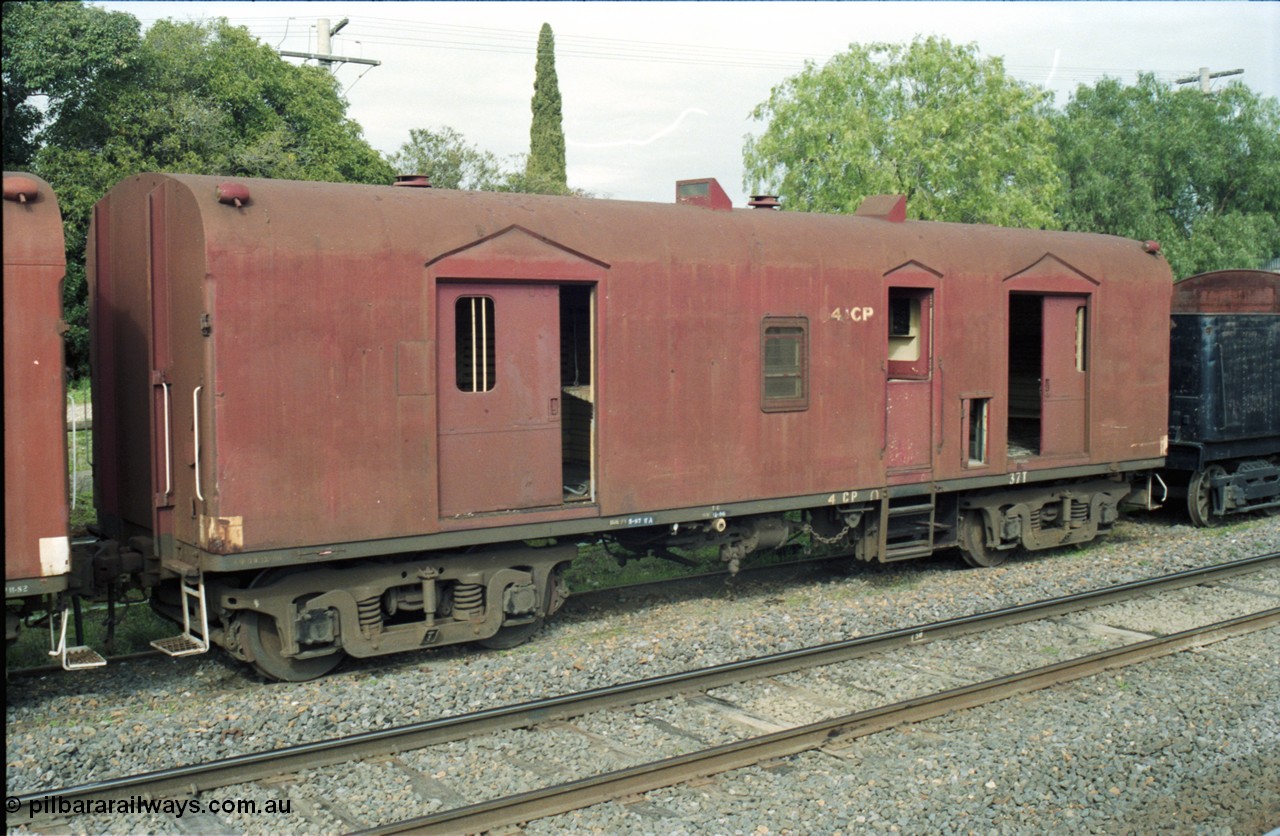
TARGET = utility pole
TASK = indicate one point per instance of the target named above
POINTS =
(324, 53)
(1204, 77)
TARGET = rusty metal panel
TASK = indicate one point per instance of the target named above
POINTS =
(499, 397)
(306, 435)
(1228, 291)
(121, 323)
(35, 440)
(307, 315)
(1064, 386)
(910, 421)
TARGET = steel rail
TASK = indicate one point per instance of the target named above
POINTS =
(195, 778)
(832, 733)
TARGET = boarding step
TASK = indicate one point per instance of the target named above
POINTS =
(904, 551)
(188, 643)
(909, 528)
(80, 657)
(76, 657)
(179, 645)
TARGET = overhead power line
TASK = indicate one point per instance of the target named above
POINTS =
(456, 37)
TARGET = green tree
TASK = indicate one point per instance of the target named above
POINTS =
(932, 120)
(449, 161)
(59, 51)
(1199, 173)
(197, 98)
(545, 167)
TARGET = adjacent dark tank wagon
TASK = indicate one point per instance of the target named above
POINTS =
(334, 416)
(1224, 393)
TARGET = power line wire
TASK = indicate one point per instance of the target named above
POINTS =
(494, 40)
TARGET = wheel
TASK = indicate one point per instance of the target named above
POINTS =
(259, 631)
(973, 543)
(1200, 496)
(514, 636)
(260, 634)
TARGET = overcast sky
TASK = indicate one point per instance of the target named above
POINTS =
(657, 92)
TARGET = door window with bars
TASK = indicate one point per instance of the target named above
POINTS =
(474, 350)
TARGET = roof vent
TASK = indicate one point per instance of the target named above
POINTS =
(705, 193)
(21, 189)
(885, 207)
(233, 194)
(764, 201)
(414, 181)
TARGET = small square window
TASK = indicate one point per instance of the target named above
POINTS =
(784, 349)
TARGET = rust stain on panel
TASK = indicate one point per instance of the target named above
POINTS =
(223, 535)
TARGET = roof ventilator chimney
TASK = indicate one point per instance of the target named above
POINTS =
(705, 192)
(764, 201)
(413, 181)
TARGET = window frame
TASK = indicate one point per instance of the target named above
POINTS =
(800, 403)
(478, 347)
(919, 302)
(980, 402)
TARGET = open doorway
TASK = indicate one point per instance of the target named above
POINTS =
(577, 367)
(1048, 374)
(1026, 338)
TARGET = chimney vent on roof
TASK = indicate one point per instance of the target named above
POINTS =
(764, 201)
(415, 181)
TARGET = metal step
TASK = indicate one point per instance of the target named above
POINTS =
(80, 657)
(902, 551)
(180, 645)
(74, 658)
(188, 642)
(907, 530)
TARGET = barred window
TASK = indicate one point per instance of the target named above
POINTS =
(474, 343)
(784, 348)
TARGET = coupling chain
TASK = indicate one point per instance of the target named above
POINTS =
(808, 529)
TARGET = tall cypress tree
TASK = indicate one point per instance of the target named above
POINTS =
(545, 168)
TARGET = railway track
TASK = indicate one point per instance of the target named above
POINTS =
(832, 734)
(787, 736)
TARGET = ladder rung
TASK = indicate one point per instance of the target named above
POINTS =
(903, 510)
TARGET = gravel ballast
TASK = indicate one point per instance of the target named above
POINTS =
(70, 728)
